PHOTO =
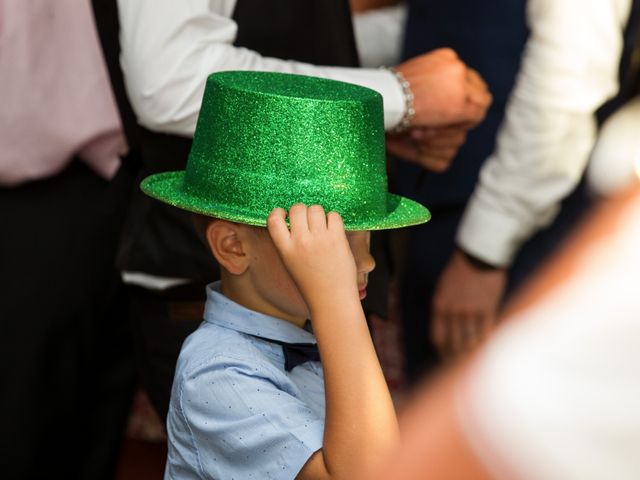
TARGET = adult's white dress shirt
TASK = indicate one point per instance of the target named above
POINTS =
(167, 57)
(568, 70)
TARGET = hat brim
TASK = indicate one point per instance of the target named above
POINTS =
(168, 188)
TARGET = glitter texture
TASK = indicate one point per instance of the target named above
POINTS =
(266, 140)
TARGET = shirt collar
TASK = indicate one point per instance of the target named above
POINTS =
(226, 313)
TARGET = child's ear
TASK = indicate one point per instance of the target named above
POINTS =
(225, 240)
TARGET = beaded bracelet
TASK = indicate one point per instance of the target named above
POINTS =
(409, 109)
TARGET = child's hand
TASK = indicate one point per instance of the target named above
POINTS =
(316, 253)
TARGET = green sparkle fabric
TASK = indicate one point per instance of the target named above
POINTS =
(266, 140)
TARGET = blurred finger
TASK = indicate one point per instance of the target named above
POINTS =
(441, 152)
(445, 53)
(277, 226)
(417, 134)
(316, 218)
(420, 134)
(450, 137)
(402, 147)
(439, 333)
(435, 163)
(473, 331)
(474, 113)
(298, 218)
(450, 339)
(487, 325)
(457, 327)
(476, 80)
(480, 98)
(334, 221)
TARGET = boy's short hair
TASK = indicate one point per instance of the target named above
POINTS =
(201, 223)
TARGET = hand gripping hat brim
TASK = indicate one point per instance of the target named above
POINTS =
(267, 140)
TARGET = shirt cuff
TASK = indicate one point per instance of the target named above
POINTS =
(488, 235)
(380, 80)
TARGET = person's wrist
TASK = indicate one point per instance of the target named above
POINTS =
(409, 106)
(478, 263)
(332, 303)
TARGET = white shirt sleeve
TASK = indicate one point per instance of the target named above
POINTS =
(555, 394)
(169, 48)
(379, 35)
(569, 68)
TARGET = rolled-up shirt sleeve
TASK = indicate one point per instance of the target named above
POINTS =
(236, 421)
(569, 69)
(169, 49)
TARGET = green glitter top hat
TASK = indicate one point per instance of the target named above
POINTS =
(266, 140)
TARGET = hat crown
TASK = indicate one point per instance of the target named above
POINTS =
(266, 140)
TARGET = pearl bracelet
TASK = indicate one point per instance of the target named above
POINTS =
(409, 109)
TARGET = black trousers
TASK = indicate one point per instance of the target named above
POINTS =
(65, 342)
(162, 320)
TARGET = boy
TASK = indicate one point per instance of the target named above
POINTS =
(250, 398)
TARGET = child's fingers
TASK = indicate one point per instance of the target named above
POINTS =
(298, 218)
(334, 221)
(316, 218)
(277, 226)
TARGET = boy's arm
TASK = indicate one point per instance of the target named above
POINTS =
(360, 426)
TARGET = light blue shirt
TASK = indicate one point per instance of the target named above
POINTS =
(235, 412)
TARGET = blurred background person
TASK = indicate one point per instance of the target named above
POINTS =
(65, 179)
(551, 67)
(167, 53)
(555, 392)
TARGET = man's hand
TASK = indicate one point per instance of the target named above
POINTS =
(465, 304)
(316, 252)
(446, 91)
(431, 148)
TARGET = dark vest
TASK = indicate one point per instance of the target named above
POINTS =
(159, 239)
(490, 37)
